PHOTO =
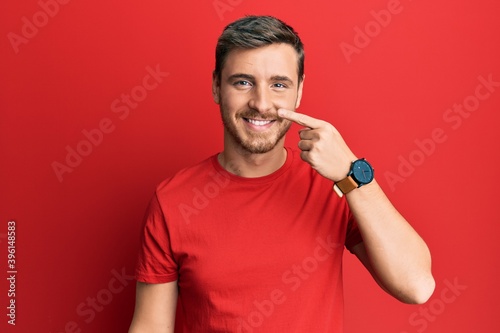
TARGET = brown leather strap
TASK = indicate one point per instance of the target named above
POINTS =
(346, 185)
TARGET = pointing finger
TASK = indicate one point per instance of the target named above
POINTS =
(300, 118)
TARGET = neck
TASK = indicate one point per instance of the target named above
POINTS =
(248, 165)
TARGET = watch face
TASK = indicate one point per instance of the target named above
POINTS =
(362, 172)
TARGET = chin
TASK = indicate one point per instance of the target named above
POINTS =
(258, 150)
(256, 143)
(260, 147)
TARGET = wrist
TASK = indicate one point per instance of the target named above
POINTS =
(344, 168)
(360, 173)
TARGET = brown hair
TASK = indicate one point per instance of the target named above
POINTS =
(253, 32)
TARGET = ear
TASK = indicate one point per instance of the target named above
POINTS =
(299, 91)
(216, 89)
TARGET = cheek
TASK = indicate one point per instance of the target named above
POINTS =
(286, 124)
(287, 101)
(234, 101)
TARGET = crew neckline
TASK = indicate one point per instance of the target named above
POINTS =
(255, 180)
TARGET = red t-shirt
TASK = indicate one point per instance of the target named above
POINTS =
(250, 254)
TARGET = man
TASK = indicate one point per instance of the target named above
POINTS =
(251, 239)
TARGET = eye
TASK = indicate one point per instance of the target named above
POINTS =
(280, 85)
(242, 83)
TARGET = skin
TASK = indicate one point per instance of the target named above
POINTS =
(254, 84)
(263, 84)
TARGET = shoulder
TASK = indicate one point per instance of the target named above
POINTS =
(185, 177)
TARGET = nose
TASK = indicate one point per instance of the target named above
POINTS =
(260, 100)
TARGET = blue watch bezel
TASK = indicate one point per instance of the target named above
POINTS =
(367, 167)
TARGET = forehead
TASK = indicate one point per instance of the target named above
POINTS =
(263, 62)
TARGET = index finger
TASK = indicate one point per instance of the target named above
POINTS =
(300, 118)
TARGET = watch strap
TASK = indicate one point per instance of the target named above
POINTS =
(345, 186)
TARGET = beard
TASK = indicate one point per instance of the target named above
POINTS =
(252, 141)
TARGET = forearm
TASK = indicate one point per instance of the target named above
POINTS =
(155, 308)
(398, 256)
(142, 327)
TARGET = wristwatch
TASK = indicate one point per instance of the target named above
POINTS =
(361, 173)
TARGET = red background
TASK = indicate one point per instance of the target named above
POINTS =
(75, 233)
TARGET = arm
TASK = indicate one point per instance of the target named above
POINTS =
(155, 307)
(392, 251)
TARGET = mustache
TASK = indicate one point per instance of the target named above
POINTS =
(257, 115)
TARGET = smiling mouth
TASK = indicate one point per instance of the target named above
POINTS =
(256, 122)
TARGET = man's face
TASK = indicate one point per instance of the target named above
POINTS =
(254, 84)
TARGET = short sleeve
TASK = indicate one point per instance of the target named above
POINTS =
(353, 236)
(155, 263)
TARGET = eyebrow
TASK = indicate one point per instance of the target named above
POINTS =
(249, 77)
(241, 76)
(282, 78)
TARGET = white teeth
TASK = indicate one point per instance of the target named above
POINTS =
(259, 122)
